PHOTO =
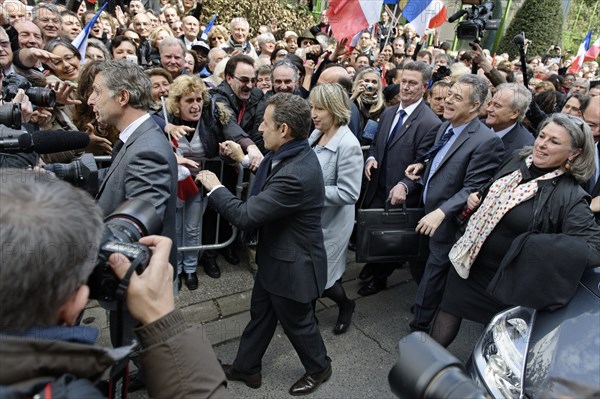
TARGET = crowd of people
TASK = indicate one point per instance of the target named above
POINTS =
(515, 147)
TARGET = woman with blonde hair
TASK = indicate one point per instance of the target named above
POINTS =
(367, 94)
(197, 124)
(340, 156)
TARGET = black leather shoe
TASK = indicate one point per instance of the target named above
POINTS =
(366, 273)
(352, 246)
(191, 280)
(372, 288)
(230, 256)
(211, 268)
(344, 319)
(251, 380)
(310, 382)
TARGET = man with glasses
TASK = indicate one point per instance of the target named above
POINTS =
(47, 17)
(142, 26)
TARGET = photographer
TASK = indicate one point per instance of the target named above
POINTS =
(46, 261)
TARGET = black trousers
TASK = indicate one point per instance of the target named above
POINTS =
(299, 323)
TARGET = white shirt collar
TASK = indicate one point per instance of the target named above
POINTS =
(503, 132)
(410, 109)
(128, 131)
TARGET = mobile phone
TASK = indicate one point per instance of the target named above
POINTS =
(132, 58)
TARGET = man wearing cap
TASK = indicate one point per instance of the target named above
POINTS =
(201, 49)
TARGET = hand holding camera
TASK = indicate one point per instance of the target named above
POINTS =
(150, 294)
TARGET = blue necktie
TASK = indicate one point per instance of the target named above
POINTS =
(436, 147)
(397, 127)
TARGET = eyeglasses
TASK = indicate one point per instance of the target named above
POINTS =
(245, 80)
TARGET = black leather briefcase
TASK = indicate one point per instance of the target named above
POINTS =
(388, 235)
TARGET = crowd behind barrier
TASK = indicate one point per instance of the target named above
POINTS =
(259, 139)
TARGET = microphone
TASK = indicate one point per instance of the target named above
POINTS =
(457, 15)
(43, 142)
(519, 40)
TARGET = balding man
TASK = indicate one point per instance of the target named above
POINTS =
(191, 28)
(335, 73)
(505, 112)
(142, 26)
(170, 14)
(29, 34)
(215, 55)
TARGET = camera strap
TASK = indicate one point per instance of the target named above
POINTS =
(124, 283)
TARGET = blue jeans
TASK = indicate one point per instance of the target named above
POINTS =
(189, 232)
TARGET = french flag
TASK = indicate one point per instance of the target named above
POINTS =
(583, 47)
(81, 41)
(346, 17)
(593, 52)
(425, 14)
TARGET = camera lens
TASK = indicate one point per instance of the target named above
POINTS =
(41, 96)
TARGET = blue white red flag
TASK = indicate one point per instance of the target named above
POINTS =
(81, 40)
(425, 14)
(583, 48)
(209, 26)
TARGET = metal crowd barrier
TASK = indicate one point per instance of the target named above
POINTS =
(240, 186)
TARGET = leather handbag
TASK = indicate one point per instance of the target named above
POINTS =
(388, 235)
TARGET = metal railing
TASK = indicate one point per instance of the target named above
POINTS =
(240, 186)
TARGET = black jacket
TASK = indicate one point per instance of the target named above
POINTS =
(253, 114)
(563, 239)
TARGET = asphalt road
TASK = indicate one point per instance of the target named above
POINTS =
(361, 358)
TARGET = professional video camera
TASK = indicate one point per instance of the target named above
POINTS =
(478, 19)
(132, 220)
(427, 370)
(37, 95)
(81, 173)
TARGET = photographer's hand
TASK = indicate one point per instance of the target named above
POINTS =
(150, 294)
(26, 106)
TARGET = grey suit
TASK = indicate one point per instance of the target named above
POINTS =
(291, 257)
(470, 161)
(145, 168)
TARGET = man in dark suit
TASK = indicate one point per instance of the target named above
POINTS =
(464, 157)
(505, 112)
(591, 115)
(285, 206)
(405, 131)
(143, 165)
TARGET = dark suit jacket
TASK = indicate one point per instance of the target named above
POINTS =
(594, 190)
(416, 137)
(517, 138)
(469, 163)
(287, 212)
(144, 168)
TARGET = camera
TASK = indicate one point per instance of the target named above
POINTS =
(441, 73)
(369, 87)
(10, 115)
(123, 228)
(40, 96)
(478, 19)
(427, 370)
(81, 173)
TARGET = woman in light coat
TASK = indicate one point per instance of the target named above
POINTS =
(340, 156)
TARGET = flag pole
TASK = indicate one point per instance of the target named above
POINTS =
(392, 26)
